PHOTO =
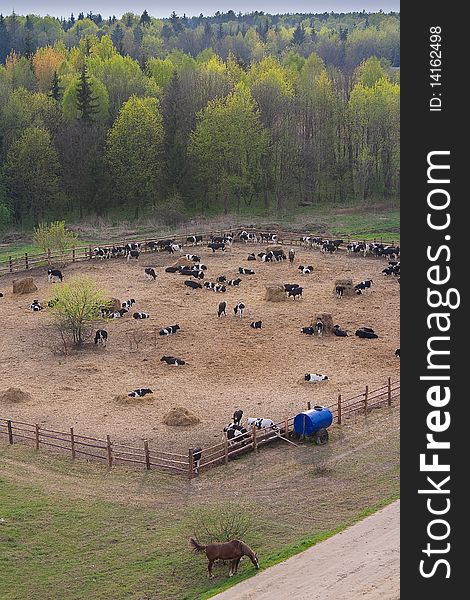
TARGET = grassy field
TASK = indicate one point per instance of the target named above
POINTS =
(71, 530)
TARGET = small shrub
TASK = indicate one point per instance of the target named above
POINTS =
(221, 523)
(171, 212)
(54, 236)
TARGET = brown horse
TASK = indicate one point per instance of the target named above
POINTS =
(232, 551)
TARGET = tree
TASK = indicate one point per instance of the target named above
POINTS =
(46, 61)
(4, 40)
(117, 35)
(145, 19)
(54, 236)
(77, 307)
(134, 153)
(299, 36)
(87, 105)
(88, 93)
(55, 90)
(32, 175)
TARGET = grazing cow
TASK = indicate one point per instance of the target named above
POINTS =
(221, 279)
(101, 337)
(176, 248)
(248, 237)
(290, 286)
(150, 273)
(339, 291)
(261, 423)
(305, 240)
(216, 246)
(35, 306)
(234, 431)
(239, 309)
(235, 282)
(140, 392)
(256, 324)
(294, 292)
(54, 273)
(339, 332)
(366, 333)
(194, 239)
(197, 453)
(315, 377)
(222, 310)
(337, 243)
(169, 330)
(397, 353)
(141, 315)
(237, 416)
(291, 256)
(193, 257)
(128, 303)
(244, 271)
(132, 254)
(164, 244)
(363, 285)
(152, 246)
(251, 256)
(171, 269)
(305, 270)
(329, 247)
(319, 327)
(308, 330)
(269, 237)
(101, 253)
(219, 288)
(194, 285)
(117, 314)
(171, 360)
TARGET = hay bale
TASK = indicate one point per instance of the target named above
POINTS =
(14, 396)
(125, 399)
(182, 261)
(179, 416)
(348, 287)
(275, 292)
(327, 322)
(274, 249)
(114, 304)
(24, 286)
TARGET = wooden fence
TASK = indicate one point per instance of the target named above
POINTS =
(115, 453)
(33, 260)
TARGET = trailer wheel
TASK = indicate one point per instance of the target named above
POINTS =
(321, 437)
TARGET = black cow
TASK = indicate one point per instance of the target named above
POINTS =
(308, 330)
(397, 353)
(222, 310)
(140, 392)
(339, 291)
(171, 269)
(297, 291)
(133, 254)
(291, 255)
(150, 273)
(339, 332)
(251, 256)
(290, 286)
(169, 330)
(54, 273)
(237, 416)
(256, 324)
(329, 247)
(171, 360)
(221, 279)
(194, 285)
(216, 246)
(366, 333)
(101, 337)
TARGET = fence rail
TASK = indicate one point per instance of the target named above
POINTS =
(105, 450)
(83, 253)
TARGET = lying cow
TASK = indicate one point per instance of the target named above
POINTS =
(297, 291)
(308, 330)
(35, 306)
(141, 315)
(244, 271)
(140, 392)
(339, 332)
(261, 423)
(169, 330)
(315, 377)
(366, 333)
(256, 324)
(171, 360)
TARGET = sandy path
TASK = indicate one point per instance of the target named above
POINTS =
(361, 562)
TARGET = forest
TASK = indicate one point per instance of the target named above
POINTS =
(180, 116)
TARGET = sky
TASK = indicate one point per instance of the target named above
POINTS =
(163, 8)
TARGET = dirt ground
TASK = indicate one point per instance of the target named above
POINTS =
(228, 364)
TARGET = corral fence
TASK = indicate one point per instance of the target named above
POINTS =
(114, 453)
(83, 253)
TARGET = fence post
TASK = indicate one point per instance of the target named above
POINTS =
(72, 442)
(339, 409)
(10, 264)
(73, 254)
(147, 455)
(286, 425)
(10, 432)
(26, 260)
(110, 451)
(366, 397)
(36, 429)
(89, 252)
(49, 256)
(389, 391)
(309, 406)
(191, 463)
(255, 443)
(225, 448)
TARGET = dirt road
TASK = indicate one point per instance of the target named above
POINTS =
(361, 562)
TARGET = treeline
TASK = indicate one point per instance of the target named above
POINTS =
(85, 129)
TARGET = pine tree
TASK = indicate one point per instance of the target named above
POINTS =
(4, 40)
(144, 19)
(86, 102)
(55, 92)
(117, 36)
(299, 36)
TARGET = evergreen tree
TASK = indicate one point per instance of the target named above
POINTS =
(299, 36)
(55, 92)
(86, 102)
(81, 16)
(117, 37)
(144, 19)
(4, 40)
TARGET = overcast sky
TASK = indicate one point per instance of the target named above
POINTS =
(162, 8)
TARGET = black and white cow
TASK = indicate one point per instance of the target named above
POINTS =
(339, 332)
(295, 292)
(128, 303)
(176, 248)
(141, 315)
(261, 423)
(319, 327)
(305, 270)
(222, 310)
(306, 240)
(266, 257)
(339, 291)
(171, 269)
(239, 309)
(366, 333)
(197, 453)
(194, 285)
(329, 247)
(244, 271)
(291, 255)
(219, 288)
(54, 273)
(1, 294)
(194, 239)
(101, 337)
(251, 256)
(256, 324)
(248, 237)
(133, 254)
(363, 285)
(234, 282)
(193, 257)
(35, 306)
(209, 285)
(221, 279)
(171, 360)
(216, 246)
(397, 353)
(169, 330)
(308, 330)
(140, 392)
(199, 267)
(150, 273)
(315, 377)
(234, 431)
(101, 253)
(237, 416)
(290, 286)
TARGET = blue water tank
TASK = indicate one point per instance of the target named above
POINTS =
(310, 421)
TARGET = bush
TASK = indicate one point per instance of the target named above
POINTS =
(54, 236)
(171, 212)
(222, 522)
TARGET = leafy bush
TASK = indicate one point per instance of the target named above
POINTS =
(171, 212)
(54, 236)
(222, 522)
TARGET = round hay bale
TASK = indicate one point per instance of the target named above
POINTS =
(24, 286)
(179, 416)
(14, 396)
(348, 286)
(182, 261)
(275, 292)
(125, 399)
(327, 322)
(114, 304)
(274, 249)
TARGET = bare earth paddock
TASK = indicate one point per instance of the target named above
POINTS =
(228, 364)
